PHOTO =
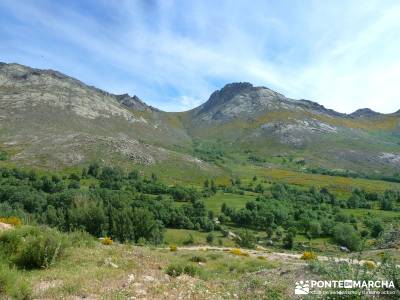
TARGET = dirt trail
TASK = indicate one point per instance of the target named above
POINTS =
(4, 226)
(271, 254)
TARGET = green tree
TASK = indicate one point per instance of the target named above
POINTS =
(346, 235)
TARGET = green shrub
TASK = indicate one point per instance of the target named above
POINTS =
(346, 235)
(246, 239)
(210, 238)
(32, 247)
(197, 259)
(81, 238)
(174, 270)
(191, 270)
(11, 285)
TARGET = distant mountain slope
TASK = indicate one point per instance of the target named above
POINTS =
(263, 122)
(52, 120)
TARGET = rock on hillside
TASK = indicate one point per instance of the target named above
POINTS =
(260, 120)
(50, 119)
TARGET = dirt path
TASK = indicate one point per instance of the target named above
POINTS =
(4, 226)
(271, 254)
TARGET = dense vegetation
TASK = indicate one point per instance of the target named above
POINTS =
(122, 206)
(287, 209)
(348, 173)
(128, 206)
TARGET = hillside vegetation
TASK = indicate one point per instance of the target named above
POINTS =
(105, 197)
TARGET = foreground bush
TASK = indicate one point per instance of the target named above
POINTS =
(309, 256)
(238, 252)
(11, 285)
(107, 241)
(32, 247)
(176, 270)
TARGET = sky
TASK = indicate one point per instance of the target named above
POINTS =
(174, 54)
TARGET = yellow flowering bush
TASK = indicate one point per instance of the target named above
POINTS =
(308, 255)
(107, 241)
(11, 220)
(238, 252)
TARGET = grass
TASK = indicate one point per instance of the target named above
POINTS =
(342, 186)
(385, 216)
(232, 200)
(221, 265)
(85, 272)
(180, 236)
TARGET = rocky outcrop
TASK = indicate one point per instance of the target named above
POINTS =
(364, 113)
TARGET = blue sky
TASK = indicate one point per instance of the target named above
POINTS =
(174, 54)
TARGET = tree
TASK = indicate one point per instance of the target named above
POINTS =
(288, 241)
(314, 229)
(94, 169)
(386, 204)
(346, 235)
(375, 227)
(210, 238)
(259, 189)
(246, 239)
(206, 184)
(213, 187)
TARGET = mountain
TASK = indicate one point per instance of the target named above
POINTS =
(265, 123)
(52, 120)
(364, 112)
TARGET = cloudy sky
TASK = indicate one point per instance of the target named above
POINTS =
(173, 54)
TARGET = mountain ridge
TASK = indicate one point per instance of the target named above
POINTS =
(50, 118)
(127, 100)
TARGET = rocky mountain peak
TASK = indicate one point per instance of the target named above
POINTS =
(364, 112)
(225, 94)
(132, 102)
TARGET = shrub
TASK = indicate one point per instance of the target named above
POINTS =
(141, 242)
(40, 251)
(198, 259)
(210, 238)
(174, 270)
(11, 285)
(238, 252)
(370, 265)
(32, 247)
(309, 256)
(11, 220)
(107, 241)
(173, 248)
(346, 235)
(246, 239)
(191, 270)
(81, 238)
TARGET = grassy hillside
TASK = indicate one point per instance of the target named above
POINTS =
(84, 267)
